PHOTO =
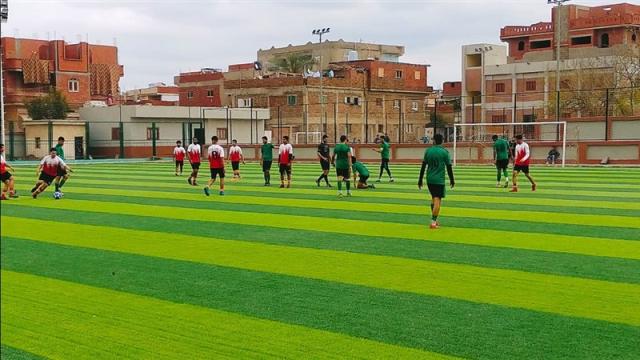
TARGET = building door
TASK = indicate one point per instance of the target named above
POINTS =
(78, 147)
(199, 134)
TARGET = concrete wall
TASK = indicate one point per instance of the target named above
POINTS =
(41, 130)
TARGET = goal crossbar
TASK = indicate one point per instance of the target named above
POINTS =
(564, 134)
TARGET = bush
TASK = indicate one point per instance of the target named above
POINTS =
(51, 106)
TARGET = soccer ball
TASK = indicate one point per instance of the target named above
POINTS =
(57, 195)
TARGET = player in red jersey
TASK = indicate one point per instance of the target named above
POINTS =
(178, 155)
(285, 159)
(6, 177)
(216, 165)
(194, 152)
(236, 156)
(48, 170)
(521, 163)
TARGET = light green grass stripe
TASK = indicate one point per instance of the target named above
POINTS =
(490, 214)
(570, 296)
(73, 321)
(626, 249)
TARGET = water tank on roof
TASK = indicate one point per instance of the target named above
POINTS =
(352, 55)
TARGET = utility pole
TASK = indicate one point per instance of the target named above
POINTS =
(482, 50)
(4, 15)
(320, 32)
(556, 28)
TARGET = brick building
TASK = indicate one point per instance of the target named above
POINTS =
(517, 82)
(156, 94)
(82, 72)
(361, 98)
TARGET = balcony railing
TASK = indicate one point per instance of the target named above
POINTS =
(510, 31)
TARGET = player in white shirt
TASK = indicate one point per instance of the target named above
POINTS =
(216, 165)
(48, 171)
(235, 156)
(6, 177)
(521, 162)
(285, 159)
(178, 155)
(194, 152)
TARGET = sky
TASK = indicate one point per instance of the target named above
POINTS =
(157, 39)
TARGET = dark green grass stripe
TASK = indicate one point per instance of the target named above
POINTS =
(601, 268)
(10, 353)
(515, 225)
(437, 324)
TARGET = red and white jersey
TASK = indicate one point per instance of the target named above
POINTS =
(285, 151)
(194, 153)
(179, 153)
(522, 154)
(3, 165)
(216, 156)
(50, 165)
(235, 153)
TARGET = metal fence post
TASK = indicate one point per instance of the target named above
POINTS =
(346, 124)
(121, 137)
(366, 121)
(606, 115)
(335, 122)
(12, 141)
(87, 140)
(50, 133)
(399, 121)
(154, 151)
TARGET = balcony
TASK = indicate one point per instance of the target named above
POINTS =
(520, 31)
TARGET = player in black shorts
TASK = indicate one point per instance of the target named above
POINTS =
(266, 159)
(324, 155)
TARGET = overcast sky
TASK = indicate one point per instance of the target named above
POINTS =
(159, 38)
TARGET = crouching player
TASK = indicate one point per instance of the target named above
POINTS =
(436, 159)
(361, 170)
(48, 170)
(216, 165)
(6, 177)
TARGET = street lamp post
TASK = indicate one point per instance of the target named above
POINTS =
(556, 28)
(482, 50)
(320, 32)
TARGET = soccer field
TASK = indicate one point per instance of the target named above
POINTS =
(135, 263)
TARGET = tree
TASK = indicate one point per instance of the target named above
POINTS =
(293, 63)
(51, 106)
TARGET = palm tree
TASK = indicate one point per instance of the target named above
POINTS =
(293, 63)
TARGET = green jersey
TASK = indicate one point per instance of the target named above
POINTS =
(384, 150)
(437, 159)
(342, 152)
(360, 168)
(60, 151)
(501, 147)
(267, 152)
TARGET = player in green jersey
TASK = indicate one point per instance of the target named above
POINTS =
(342, 162)
(63, 175)
(436, 160)
(266, 158)
(360, 170)
(501, 155)
(385, 156)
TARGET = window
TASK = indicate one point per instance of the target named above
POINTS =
(604, 40)
(498, 118)
(396, 104)
(521, 45)
(221, 133)
(398, 74)
(292, 100)
(189, 94)
(500, 87)
(37, 143)
(115, 133)
(356, 101)
(380, 72)
(414, 106)
(378, 101)
(581, 40)
(634, 37)
(323, 99)
(530, 85)
(210, 93)
(347, 99)
(347, 128)
(245, 102)
(380, 128)
(416, 75)
(541, 44)
(150, 132)
(408, 128)
(74, 85)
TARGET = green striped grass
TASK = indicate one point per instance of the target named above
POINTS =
(135, 263)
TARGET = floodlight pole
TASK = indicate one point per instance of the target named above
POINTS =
(4, 15)
(556, 28)
(320, 32)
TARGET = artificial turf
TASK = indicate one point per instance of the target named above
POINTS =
(133, 262)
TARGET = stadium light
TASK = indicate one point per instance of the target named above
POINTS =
(320, 32)
(556, 28)
(4, 16)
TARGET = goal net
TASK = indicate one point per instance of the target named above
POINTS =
(473, 144)
(311, 137)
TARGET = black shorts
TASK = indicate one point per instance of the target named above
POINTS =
(5, 177)
(46, 178)
(502, 164)
(235, 165)
(195, 166)
(384, 163)
(523, 168)
(217, 172)
(266, 165)
(363, 179)
(179, 163)
(285, 169)
(436, 190)
(325, 165)
(343, 173)
(62, 172)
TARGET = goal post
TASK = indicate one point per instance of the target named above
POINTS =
(481, 133)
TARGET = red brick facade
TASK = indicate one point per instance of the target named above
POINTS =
(200, 88)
